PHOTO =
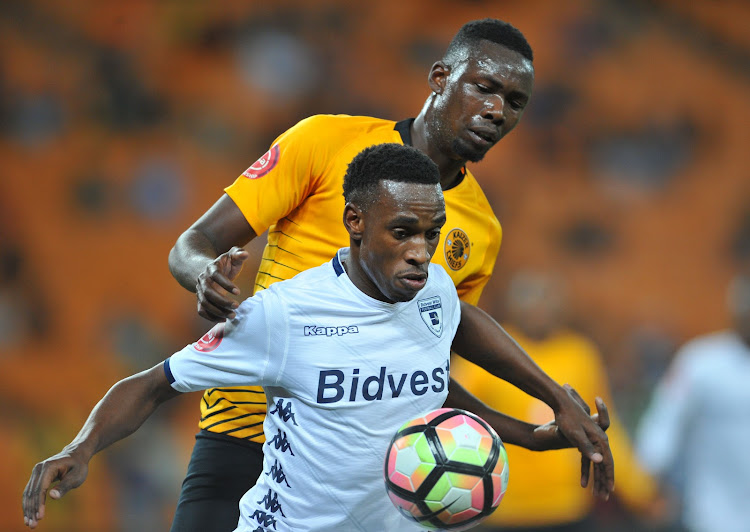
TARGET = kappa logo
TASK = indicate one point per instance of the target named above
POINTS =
(211, 339)
(457, 249)
(314, 330)
(431, 310)
(263, 165)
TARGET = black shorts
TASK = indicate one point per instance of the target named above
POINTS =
(221, 470)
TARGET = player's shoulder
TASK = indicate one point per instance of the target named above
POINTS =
(708, 348)
(469, 190)
(312, 283)
(326, 126)
(440, 280)
(468, 205)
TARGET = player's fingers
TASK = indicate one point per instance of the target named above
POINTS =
(599, 481)
(220, 278)
(577, 397)
(215, 293)
(604, 471)
(602, 482)
(35, 493)
(585, 471)
(29, 500)
(214, 316)
(216, 306)
(585, 446)
(32, 495)
(603, 413)
(73, 478)
(238, 255)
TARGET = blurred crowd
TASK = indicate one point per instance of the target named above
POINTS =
(121, 122)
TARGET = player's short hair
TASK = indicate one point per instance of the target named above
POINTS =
(381, 162)
(488, 29)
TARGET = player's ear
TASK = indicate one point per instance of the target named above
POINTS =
(438, 77)
(353, 221)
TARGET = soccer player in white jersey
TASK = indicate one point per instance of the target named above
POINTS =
(347, 352)
(697, 425)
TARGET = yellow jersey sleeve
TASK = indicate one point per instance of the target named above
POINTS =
(285, 175)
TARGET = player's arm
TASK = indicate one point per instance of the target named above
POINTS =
(513, 431)
(208, 256)
(481, 340)
(120, 412)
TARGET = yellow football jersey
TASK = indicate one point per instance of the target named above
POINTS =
(567, 357)
(296, 192)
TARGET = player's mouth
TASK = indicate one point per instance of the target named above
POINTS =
(484, 136)
(414, 281)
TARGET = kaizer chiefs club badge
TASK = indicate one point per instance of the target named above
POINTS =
(457, 249)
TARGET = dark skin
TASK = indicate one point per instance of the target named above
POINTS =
(389, 260)
(476, 99)
(389, 253)
(484, 93)
(475, 102)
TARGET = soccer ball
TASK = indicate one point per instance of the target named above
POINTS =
(446, 470)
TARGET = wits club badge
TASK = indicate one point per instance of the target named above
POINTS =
(431, 311)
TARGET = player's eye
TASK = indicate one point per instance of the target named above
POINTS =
(483, 88)
(399, 234)
(432, 235)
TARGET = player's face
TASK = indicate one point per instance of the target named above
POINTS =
(401, 232)
(479, 100)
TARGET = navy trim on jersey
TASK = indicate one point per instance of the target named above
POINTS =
(168, 372)
(404, 129)
(337, 267)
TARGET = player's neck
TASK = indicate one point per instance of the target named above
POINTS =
(359, 278)
(451, 170)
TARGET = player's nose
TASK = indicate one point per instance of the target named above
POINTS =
(494, 109)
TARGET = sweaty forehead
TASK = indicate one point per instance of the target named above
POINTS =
(493, 59)
(399, 198)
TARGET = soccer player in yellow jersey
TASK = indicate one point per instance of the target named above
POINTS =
(542, 498)
(478, 94)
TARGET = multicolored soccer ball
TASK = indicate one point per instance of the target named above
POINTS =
(446, 470)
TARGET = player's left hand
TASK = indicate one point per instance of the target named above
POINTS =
(586, 433)
(67, 468)
(548, 437)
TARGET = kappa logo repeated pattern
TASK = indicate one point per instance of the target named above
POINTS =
(271, 507)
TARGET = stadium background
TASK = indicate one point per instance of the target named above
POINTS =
(120, 122)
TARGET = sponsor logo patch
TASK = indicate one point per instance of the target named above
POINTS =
(314, 330)
(431, 310)
(457, 249)
(211, 339)
(263, 165)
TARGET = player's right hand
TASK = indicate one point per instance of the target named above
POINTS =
(216, 283)
(63, 467)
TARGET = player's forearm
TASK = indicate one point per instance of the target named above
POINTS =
(121, 412)
(481, 340)
(511, 430)
(189, 257)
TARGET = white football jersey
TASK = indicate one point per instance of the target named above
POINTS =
(342, 372)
